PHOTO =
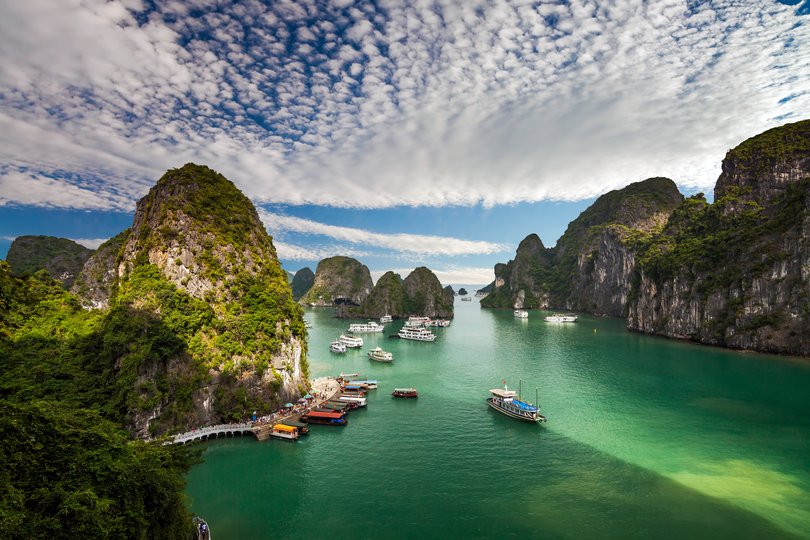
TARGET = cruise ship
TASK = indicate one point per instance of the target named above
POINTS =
(353, 342)
(521, 314)
(365, 328)
(507, 402)
(444, 323)
(385, 319)
(416, 322)
(416, 334)
(337, 347)
(561, 318)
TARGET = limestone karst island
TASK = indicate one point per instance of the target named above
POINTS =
(338, 269)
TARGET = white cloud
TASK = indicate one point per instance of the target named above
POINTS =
(91, 243)
(411, 103)
(451, 275)
(292, 252)
(404, 243)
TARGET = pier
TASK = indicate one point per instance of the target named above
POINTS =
(327, 387)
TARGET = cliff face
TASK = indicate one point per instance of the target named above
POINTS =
(61, 258)
(95, 283)
(425, 295)
(523, 282)
(737, 273)
(387, 298)
(592, 267)
(302, 282)
(199, 263)
(339, 281)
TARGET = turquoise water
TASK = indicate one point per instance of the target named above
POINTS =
(646, 438)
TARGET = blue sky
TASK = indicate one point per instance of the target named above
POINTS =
(399, 132)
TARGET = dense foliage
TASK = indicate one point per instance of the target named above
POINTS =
(759, 154)
(67, 466)
(62, 258)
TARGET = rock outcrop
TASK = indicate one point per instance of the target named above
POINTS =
(387, 298)
(523, 282)
(302, 282)
(95, 283)
(736, 273)
(425, 295)
(199, 263)
(63, 259)
(339, 281)
(462, 291)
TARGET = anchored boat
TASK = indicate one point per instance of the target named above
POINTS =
(521, 314)
(405, 392)
(337, 347)
(351, 341)
(385, 319)
(508, 402)
(283, 431)
(379, 355)
(556, 318)
(416, 333)
(365, 328)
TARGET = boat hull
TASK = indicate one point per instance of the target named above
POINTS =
(532, 420)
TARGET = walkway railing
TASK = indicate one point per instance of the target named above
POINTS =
(212, 431)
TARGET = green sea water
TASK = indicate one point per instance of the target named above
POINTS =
(646, 438)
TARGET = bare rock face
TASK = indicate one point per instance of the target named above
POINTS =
(95, 283)
(736, 273)
(763, 167)
(339, 281)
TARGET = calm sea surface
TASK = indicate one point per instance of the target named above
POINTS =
(646, 438)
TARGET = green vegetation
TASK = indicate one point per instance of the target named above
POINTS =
(302, 282)
(760, 153)
(339, 277)
(59, 256)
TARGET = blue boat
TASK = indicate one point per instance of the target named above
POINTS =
(508, 402)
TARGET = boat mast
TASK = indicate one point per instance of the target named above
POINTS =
(520, 386)
(536, 401)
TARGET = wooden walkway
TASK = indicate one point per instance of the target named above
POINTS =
(327, 386)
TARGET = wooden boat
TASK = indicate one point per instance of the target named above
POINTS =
(302, 428)
(332, 418)
(405, 392)
(379, 355)
(508, 402)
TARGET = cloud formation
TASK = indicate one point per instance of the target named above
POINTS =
(411, 244)
(365, 104)
(450, 275)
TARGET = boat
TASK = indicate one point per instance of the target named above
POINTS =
(466, 299)
(370, 384)
(385, 319)
(560, 318)
(444, 323)
(379, 355)
(351, 341)
(521, 314)
(416, 334)
(201, 530)
(283, 431)
(334, 418)
(302, 428)
(307, 324)
(365, 328)
(416, 322)
(337, 347)
(405, 392)
(358, 401)
(508, 402)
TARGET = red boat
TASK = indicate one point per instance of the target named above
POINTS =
(405, 392)
(328, 418)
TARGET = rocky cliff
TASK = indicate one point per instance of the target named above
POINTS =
(95, 282)
(302, 282)
(523, 282)
(425, 295)
(339, 281)
(61, 258)
(387, 298)
(736, 273)
(199, 266)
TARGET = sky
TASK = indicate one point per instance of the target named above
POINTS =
(401, 133)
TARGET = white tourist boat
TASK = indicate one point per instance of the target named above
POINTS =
(443, 323)
(416, 322)
(352, 342)
(283, 431)
(385, 319)
(365, 328)
(508, 402)
(416, 333)
(556, 318)
(466, 299)
(521, 314)
(307, 324)
(337, 347)
(380, 355)
(370, 383)
(360, 401)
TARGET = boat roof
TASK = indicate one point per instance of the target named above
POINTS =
(404, 389)
(324, 414)
(369, 381)
(285, 427)
(293, 423)
(501, 393)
